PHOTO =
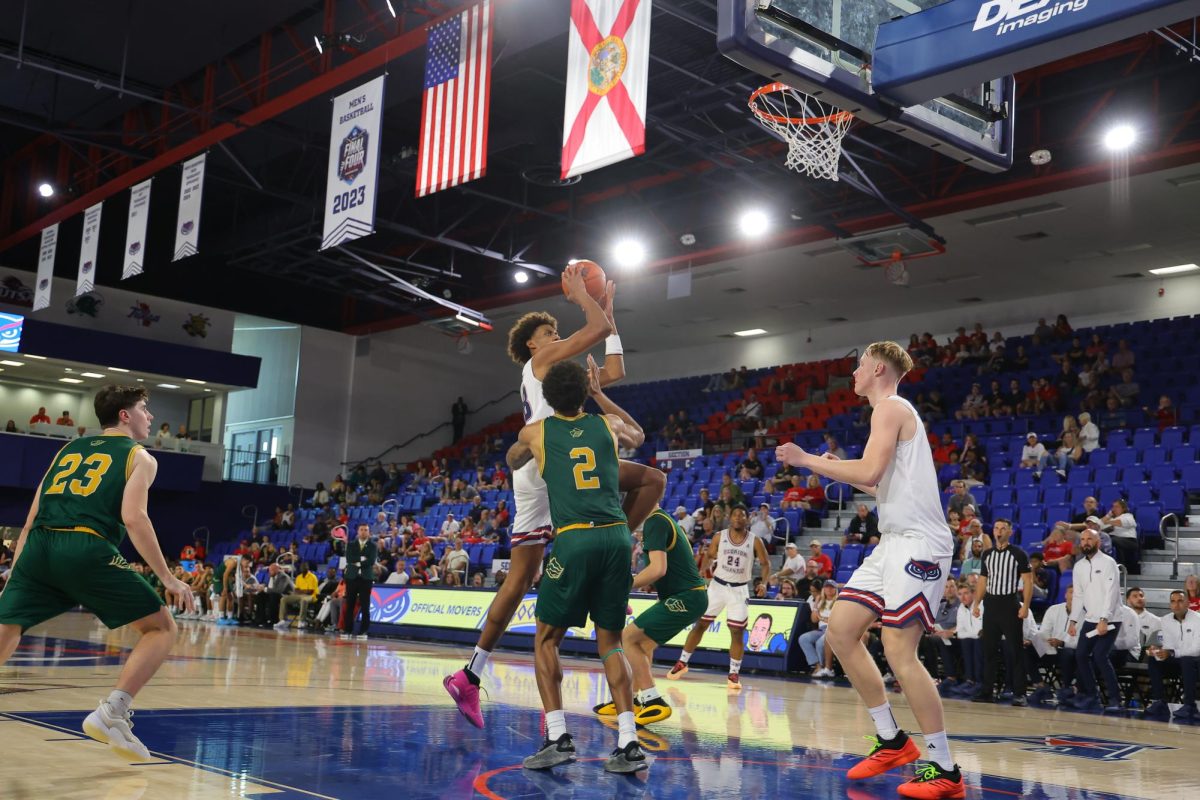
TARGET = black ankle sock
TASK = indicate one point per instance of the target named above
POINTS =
(896, 742)
(471, 676)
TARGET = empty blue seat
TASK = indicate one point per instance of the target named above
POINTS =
(1105, 475)
(1065, 580)
(1031, 516)
(1190, 473)
(1029, 496)
(834, 551)
(1058, 513)
(1173, 498)
(1055, 495)
(1126, 457)
(1117, 438)
(1153, 456)
(1134, 474)
(1079, 475)
(1183, 455)
(1110, 493)
(852, 556)
(1000, 477)
(1000, 496)
(1143, 438)
(843, 575)
(1148, 517)
(1172, 437)
(1163, 473)
(1051, 478)
(1024, 477)
(1140, 494)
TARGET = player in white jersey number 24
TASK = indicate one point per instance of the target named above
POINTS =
(900, 581)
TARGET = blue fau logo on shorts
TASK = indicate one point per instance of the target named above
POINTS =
(1069, 745)
(923, 570)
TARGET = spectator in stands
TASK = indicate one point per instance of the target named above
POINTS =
(1062, 328)
(1041, 576)
(783, 478)
(1089, 434)
(736, 495)
(1033, 453)
(832, 446)
(1057, 550)
(450, 527)
(812, 643)
(1178, 654)
(794, 565)
(863, 528)
(1164, 415)
(942, 452)
(959, 497)
(455, 560)
(1122, 527)
(934, 407)
(1066, 455)
(320, 496)
(971, 531)
(1061, 645)
(1191, 586)
(974, 406)
(823, 561)
(973, 564)
(751, 467)
(974, 471)
(763, 525)
(65, 419)
(11, 426)
(306, 591)
(1127, 391)
(1043, 331)
(40, 417)
(502, 515)
(361, 554)
(967, 630)
(1078, 522)
(1113, 415)
(1124, 358)
(1098, 582)
(400, 576)
(686, 521)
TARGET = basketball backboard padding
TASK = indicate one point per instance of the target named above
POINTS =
(963, 42)
(882, 247)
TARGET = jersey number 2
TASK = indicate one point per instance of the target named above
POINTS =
(97, 463)
(587, 463)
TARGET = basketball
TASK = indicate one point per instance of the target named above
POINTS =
(593, 278)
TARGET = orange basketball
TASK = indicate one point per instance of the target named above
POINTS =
(593, 278)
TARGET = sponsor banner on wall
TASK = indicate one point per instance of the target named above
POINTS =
(135, 232)
(187, 226)
(350, 181)
(769, 631)
(45, 271)
(86, 280)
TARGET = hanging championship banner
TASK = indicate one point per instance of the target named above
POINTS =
(353, 164)
(187, 227)
(86, 280)
(45, 273)
(135, 231)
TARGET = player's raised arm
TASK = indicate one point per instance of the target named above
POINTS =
(864, 472)
(596, 326)
(141, 530)
(614, 354)
(628, 432)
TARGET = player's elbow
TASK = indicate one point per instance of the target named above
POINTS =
(134, 518)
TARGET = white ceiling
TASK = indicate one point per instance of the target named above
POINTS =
(1101, 231)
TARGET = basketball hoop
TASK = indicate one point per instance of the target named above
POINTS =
(896, 271)
(813, 130)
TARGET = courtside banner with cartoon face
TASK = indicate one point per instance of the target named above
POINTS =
(768, 632)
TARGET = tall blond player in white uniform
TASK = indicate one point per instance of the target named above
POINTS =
(534, 343)
(900, 582)
(731, 554)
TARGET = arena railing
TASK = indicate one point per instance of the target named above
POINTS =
(1162, 525)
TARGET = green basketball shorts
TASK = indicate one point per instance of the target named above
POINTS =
(672, 614)
(588, 574)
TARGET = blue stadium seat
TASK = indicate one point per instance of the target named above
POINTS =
(1055, 495)
(1001, 496)
(1172, 437)
(843, 575)
(1148, 517)
(1126, 457)
(1134, 474)
(1117, 438)
(1058, 513)
(1173, 498)
(1164, 473)
(1031, 516)
(1105, 475)
(1190, 473)
(1140, 494)
(1064, 582)
(1000, 477)
(1183, 455)
(834, 551)
(1144, 438)
(852, 556)
(1109, 494)
(1000, 511)
(1024, 477)
(1153, 456)
(1029, 496)
(1078, 494)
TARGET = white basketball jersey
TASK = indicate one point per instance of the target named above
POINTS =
(734, 561)
(908, 497)
(533, 402)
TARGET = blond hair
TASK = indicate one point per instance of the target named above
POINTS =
(893, 355)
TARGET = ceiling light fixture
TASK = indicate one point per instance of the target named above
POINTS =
(8, 363)
(117, 369)
(521, 276)
(750, 332)
(390, 8)
(320, 48)
(45, 190)
(1119, 138)
(92, 375)
(69, 380)
(754, 222)
(629, 253)
(166, 385)
(39, 358)
(1175, 270)
(193, 380)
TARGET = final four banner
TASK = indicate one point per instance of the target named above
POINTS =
(45, 273)
(135, 232)
(187, 227)
(87, 250)
(353, 164)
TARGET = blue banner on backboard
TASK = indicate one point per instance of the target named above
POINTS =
(929, 54)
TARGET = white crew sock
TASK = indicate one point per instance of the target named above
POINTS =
(937, 750)
(626, 728)
(685, 656)
(646, 695)
(556, 724)
(119, 702)
(735, 666)
(885, 722)
(478, 661)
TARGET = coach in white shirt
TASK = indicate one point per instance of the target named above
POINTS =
(1097, 601)
(1060, 645)
(1149, 625)
(1179, 654)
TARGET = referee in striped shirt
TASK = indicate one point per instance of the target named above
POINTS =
(1005, 571)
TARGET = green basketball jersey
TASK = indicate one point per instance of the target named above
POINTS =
(579, 465)
(660, 532)
(85, 486)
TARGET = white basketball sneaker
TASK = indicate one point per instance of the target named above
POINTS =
(116, 731)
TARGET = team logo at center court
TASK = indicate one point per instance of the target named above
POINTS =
(676, 605)
(606, 65)
(1070, 745)
(352, 155)
(554, 569)
(576, 433)
(923, 570)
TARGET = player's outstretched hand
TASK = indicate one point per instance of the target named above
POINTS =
(791, 453)
(178, 587)
(593, 376)
(610, 291)
(573, 280)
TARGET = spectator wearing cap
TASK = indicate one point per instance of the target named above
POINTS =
(972, 532)
(1122, 527)
(763, 525)
(863, 528)
(1097, 586)
(1033, 452)
(685, 520)
(959, 497)
(793, 563)
(1091, 508)
(824, 562)
(1178, 654)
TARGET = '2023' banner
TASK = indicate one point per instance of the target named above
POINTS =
(353, 172)
(769, 631)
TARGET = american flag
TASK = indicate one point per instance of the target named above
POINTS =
(454, 106)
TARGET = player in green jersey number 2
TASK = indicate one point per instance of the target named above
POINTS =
(67, 555)
(588, 571)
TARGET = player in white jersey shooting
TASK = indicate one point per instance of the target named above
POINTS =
(901, 581)
(534, 343)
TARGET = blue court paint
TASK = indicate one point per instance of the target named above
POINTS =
(419, 752)
(51, 651)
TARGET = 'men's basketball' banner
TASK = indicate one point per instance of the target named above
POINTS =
(187, 225)
(135, 230)
(86, 279)
(45, 273)
(608, 60)
(351, 179)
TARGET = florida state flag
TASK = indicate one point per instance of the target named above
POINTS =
(607, 70)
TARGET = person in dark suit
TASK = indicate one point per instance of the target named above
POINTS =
(361, 554)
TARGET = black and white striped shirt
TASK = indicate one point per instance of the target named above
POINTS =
(1004, 568)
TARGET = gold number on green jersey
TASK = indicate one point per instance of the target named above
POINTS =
(587, 463)
(98, 464)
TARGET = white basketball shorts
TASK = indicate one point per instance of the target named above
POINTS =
(730, 599)
(901, 580)
(531, 525)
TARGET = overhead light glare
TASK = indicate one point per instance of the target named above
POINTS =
(754, 222)
(1120, 137)
(390, 8)
(69, 380)
(45, 190)
(1175, 270)
(629, 253)
(92, 375)
(117, 369)
(464, 319)
(39, 358)
(750, 332)
(193, 380)
(167, 385)
(320, 48)
(8, 363)
(521, 276)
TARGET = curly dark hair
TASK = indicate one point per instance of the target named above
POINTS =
(522, 331)
(112, 400)
(565, 387)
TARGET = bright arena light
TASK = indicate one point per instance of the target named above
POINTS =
(629, 253)
(520, 276)
(1120, 137)
(754, 222)
(46, 190)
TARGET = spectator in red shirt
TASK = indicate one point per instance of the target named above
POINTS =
(1191, 591)
(41, 416)
(65, 419)
(823, 562)
(941, 453)
(502, 515)
(1058, 550)
(499, 475)
(1164, 414)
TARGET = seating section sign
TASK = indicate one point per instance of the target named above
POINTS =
(769, 631)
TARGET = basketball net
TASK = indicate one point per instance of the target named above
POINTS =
(813, 130)
(896, 271)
